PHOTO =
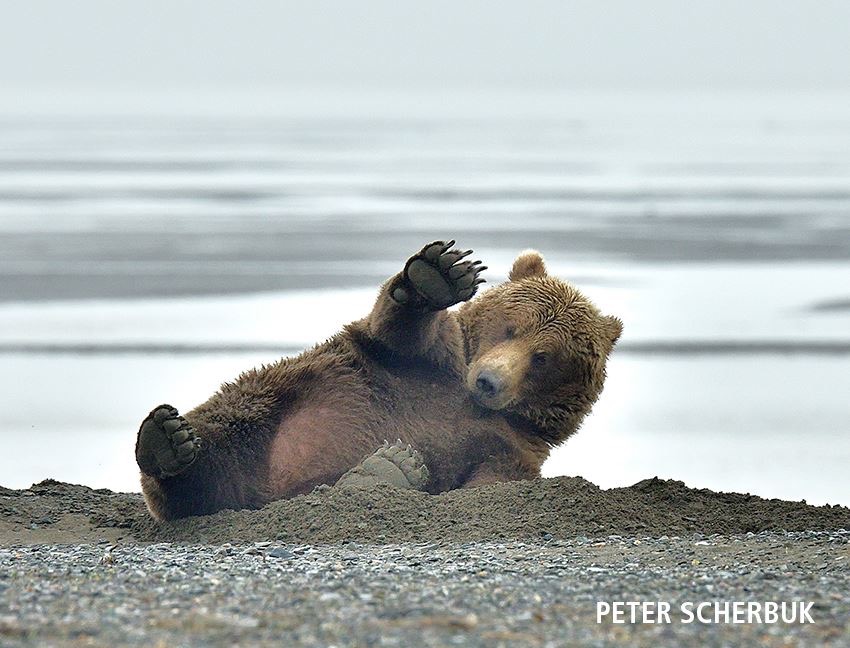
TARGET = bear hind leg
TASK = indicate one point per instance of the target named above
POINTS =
(166, 444)
(397, 464)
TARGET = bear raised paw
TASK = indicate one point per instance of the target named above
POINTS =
(475, 396)
(437, 278)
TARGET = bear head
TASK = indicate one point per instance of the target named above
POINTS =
(537, 348)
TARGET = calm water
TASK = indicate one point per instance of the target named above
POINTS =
(776, 426)
(147, 255)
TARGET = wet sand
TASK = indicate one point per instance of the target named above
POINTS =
(561, 507)
(40, 266)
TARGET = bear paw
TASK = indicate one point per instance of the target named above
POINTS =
(166, 444)
(398, 465)
(437, 277)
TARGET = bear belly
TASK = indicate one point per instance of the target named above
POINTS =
(332, 430)
(315, 445)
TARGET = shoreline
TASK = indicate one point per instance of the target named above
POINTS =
(693, 347)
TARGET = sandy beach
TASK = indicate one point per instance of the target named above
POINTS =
(513, 564)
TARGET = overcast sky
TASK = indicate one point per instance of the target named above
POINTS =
(398, 44)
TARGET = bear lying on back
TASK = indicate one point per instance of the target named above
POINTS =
(480, 395)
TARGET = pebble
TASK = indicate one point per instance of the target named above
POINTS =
(280, 552)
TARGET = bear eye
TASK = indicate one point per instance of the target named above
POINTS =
(510, 332)
(539, 360)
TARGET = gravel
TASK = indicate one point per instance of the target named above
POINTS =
(428, 593)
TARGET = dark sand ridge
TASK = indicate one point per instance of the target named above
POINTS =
(563, 507)
(275, 256)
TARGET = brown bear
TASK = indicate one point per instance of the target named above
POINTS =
(479, 395)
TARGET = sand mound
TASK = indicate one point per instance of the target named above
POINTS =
(563, 507)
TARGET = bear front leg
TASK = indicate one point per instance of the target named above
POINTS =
(409, 316)
(436, 278)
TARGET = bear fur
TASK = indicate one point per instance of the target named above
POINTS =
(482, 393)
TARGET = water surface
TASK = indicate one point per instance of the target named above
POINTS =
(151, 252)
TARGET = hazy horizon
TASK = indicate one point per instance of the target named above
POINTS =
(404, 45)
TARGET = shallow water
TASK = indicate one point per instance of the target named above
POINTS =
(149, 252)
(770, 423)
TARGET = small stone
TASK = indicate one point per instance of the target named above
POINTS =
(280, 552)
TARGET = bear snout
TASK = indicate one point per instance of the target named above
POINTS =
(491, 387)
(495, 379)
(489, 383)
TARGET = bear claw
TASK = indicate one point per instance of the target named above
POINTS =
(438, 277)
(166, 445)
(398, 465)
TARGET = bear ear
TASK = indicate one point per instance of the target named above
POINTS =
(613, 326)
(528, 264)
